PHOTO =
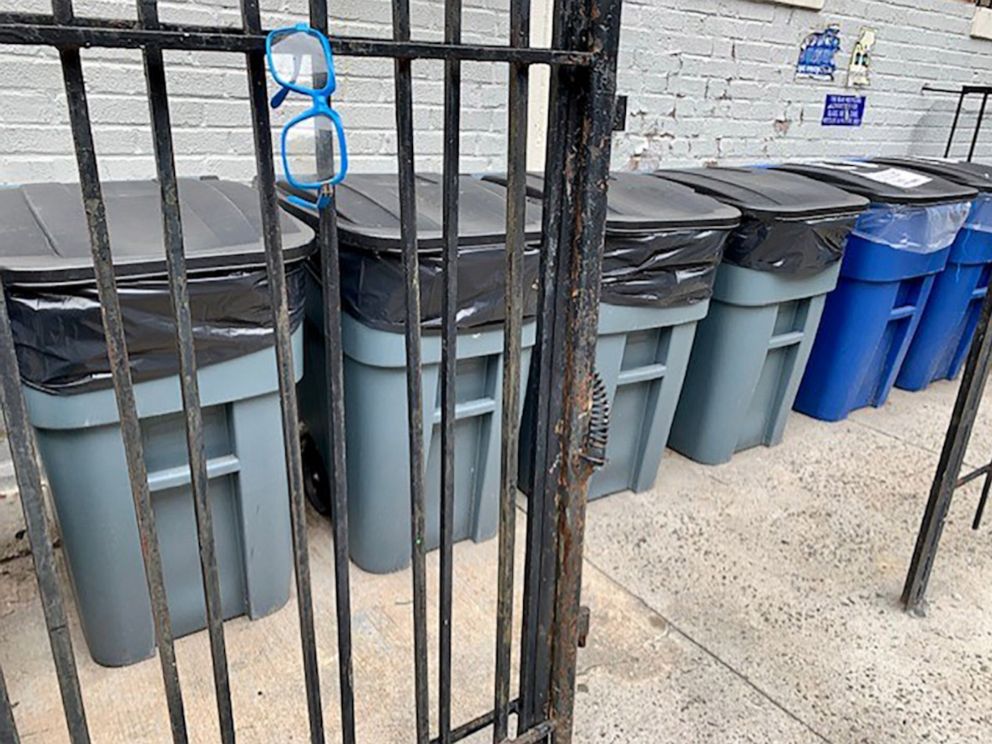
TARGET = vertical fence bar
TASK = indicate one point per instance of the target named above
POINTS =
(546, 362)
(414, 384)
(973, 381)
(96, 219)
(327, 238)
(8, 729)
(24, 455)
(978, 126)
(954, 126)
(408, 216)
(276, 273)
(516, 208)
(179, 291)
(449, 357)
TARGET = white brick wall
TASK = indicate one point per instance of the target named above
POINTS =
(708, 80)
(713, 80)
(208, 95)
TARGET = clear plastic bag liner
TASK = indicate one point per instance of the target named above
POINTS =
(59, 338)
(980, 216)
(797, 247)
(908, 227)
(667, 268)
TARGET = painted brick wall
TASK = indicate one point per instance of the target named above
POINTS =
(713, 80)
(708, 80)
(208, 95)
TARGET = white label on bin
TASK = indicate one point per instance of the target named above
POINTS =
(898, 177)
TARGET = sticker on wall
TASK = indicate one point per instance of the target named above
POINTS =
(858, 72)
(816, 54)
(843, 111)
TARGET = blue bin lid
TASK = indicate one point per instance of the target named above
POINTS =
(768, 193)
(974, 175)
(368, 208)
(640, 202)
(44, 237)
(882, 183)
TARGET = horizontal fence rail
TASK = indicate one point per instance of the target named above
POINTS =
(114, 34)
(583, 63)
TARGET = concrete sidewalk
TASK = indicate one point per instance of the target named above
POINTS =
(755, 601)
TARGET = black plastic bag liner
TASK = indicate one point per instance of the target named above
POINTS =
(663, 241)
(371, 257)
(791, 225)
(884, 184)
(47, 268)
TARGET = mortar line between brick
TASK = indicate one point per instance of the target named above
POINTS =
(709, 652)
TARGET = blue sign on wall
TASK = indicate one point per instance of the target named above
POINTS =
(843, 111)
(816, 54)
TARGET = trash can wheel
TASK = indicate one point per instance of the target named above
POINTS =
(316, 483)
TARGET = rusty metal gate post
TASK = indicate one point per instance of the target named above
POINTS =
(577, 166)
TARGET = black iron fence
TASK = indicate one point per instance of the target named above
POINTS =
(583, 65)
(964, 93)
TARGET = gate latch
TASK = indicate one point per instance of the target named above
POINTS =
(584, 620)
(599, 424)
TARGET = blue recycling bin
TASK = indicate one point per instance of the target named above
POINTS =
(895, 251)
(943, 337)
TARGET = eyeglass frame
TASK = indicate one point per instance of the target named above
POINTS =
(320, 97)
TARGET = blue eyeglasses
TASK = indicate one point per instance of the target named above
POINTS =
(300, 60)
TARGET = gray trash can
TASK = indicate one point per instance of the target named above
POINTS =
(375, 387)
(58, 332)
(663, 243)
(752, 348)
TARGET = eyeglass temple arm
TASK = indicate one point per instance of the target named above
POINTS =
(279, 97)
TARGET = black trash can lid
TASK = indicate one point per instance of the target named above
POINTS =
(368, 206)
(638, 202)
(974, 175)
(768, 193)
(887, 184)
(44, 237)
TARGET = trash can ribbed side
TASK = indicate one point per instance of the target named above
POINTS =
(377, 451)
(868, 324)
(80, 443)
(642, 355)
(748, 359)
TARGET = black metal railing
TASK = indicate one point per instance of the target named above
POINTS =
(964, 93)
(583, 63)
(948, 478)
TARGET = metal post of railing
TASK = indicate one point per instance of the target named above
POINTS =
(330, 268)
(179, 293)
(113, 323)
(945, 481)
(516, 217)
(449, 357)
(403, 78)
(276, 274)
